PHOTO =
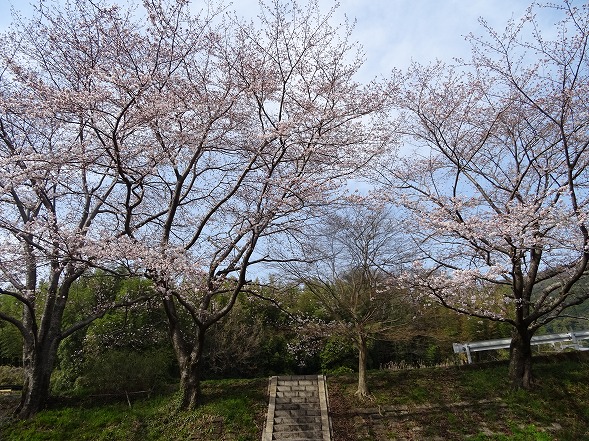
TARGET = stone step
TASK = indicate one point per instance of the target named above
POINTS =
(293, 395)
(301, 379)
(296, 400)
(297, 409)
(297, 378)
(287, 406)
(296, 427)
(295, 388)
(307, 382)
(307, 435)
(297, 419)
(295, 412)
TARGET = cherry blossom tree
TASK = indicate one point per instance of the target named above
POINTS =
(59, 186)
(496, 186)
(54, 185)
(214, 139)
(284, 125)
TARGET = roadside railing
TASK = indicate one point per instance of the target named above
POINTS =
(573, 337)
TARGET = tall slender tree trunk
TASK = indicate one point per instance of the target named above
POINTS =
(520, 359)
(362, 363)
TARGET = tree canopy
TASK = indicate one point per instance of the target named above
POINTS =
(496, 191)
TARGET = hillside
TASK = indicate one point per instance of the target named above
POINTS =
(468, 402)
(453, 403)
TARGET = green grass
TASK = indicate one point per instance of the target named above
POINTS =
(231, 410)
(447, 403)
(436, 403)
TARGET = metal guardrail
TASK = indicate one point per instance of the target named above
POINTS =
(504, 343)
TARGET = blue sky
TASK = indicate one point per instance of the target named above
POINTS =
(392, 32)
(395, 32)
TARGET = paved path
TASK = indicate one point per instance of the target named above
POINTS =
(297, 409)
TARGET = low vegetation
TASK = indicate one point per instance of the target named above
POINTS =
(451, 403)
(231, 410)
(468, 402)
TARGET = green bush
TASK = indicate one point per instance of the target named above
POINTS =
(338, 353)
(432, 355)
(276, 359)
(10, 337)
(118, 371)
(340, 370)
(11, 375)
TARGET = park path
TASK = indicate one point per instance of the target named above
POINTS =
(297, 409)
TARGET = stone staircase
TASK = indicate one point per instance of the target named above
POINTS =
(297, 409)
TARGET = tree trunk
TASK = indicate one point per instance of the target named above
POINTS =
(362, 362)
(190, 383)
(38, 366)
(189, 356)
(520, 359)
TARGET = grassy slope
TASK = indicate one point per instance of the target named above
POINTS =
(436, 404)
(232, 410)
(470, 402)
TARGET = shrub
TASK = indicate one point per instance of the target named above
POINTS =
(11, 375)
(336, 354)
(118, 371)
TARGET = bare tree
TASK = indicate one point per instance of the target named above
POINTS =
(496, 188)
(351, 260)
